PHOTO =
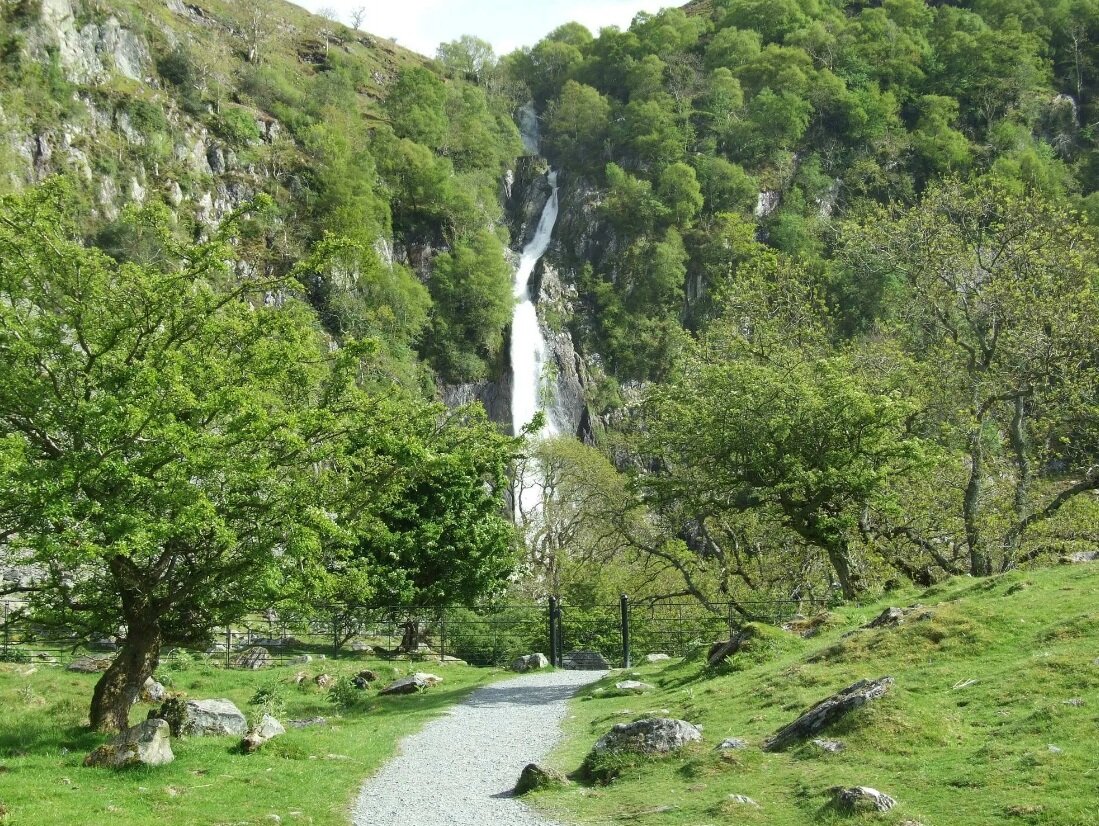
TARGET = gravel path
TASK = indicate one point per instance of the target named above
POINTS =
(460, 769)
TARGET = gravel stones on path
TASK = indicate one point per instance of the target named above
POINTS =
(461, 768)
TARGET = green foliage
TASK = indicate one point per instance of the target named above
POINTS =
(237, 126)
(416, 106)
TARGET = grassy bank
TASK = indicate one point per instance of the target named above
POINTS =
(307, 776)
(993, 719)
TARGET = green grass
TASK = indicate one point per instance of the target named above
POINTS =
(967, 756)
(307, 776)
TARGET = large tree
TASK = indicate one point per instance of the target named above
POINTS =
(177, 441)
(995, 293)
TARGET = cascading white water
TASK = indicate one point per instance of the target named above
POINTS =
(531, 387)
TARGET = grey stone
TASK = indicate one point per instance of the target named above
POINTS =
(302, 660)
(146, 744)
(830, 746)
(267, 729)
(90, 665)
(657, 658)
(1075, 702)
(731, 744)
(1080, 558)
(828, 711)
(211, 718)
(861, 799)
(633, 686)
(535, 777)
(892, 617)
(412, 684)
(309, 722)
(253, 659)
(153, 692)
(585, 661)
(1055, 749)
(655, 735)
(531, 662)
(743, 800)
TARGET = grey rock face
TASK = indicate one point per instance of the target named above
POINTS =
(267, 729)
(828, 711)
(585, 661)
(657, 735)
(412, 684)
(146, 744)
(861, 799)
(531, 662)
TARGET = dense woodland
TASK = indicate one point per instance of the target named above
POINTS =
(836, 296)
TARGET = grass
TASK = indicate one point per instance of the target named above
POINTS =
(307, 776)
(962, 739)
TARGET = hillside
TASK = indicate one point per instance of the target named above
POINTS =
(991, 719)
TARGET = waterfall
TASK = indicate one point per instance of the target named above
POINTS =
(533, 388)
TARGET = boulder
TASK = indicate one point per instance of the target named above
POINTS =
(830, 746)
(364, 679)
(535, 777)
(304, 659)
(633, 686)
(1080, 558)
(153, 692)
(146, 744)
(585, 661)
(892, 617)
(531, 662)
(412, 684)
(202, 718)
(861, 799)
(657, 658)
(362, 648)
(267, 729)
(89, 665)
(655, 735)
(324, 680)
(253, 659)
(828, 711)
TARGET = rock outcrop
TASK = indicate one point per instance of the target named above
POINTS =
(656, 735)
(146, 744)
(827, 712)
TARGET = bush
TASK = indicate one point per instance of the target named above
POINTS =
(13, 655)
(236, 126)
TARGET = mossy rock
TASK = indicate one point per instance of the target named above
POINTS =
(535, 778)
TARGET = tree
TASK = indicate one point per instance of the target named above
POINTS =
(763, 419)
(680, 193)
(358, 15)
(997, 294)
(467, 57)
(416, 106)
(576, 126)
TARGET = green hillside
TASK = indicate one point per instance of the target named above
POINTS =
(991, 719)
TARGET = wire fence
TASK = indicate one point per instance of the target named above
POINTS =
(492, 635)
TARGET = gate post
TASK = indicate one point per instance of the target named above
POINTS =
(624, 604)
(553, 631)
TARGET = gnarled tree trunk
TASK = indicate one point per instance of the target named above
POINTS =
(120, 686)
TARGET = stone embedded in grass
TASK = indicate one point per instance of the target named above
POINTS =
(861, 799)
(830, 746)
(535, 778)
(309, 722)
(267, 729)
(732, 744)
(530, 662)
(657, 658)
(324, 680)
(655, 735)
(633, 686)
(153, 692)
(742, 800)
(827, 712)
(412, 684)
(89, 665)
(1075, 702)
(1080, 558)
(253, 659)
(146, 744)
(202, 718)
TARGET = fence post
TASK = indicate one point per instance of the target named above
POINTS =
(624, 604)
(558, 645)
(553, 631)
(335, 633)
(228, 646)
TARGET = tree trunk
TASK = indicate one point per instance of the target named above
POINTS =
(120, 686)
(411, 640)
(979, 563)
(840, 557)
